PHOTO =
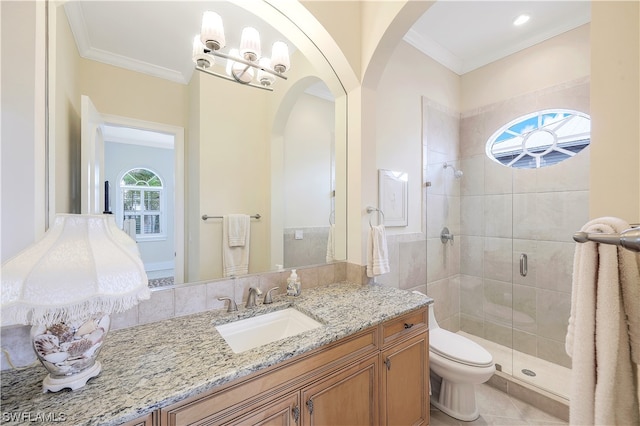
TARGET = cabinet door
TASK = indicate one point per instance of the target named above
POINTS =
(142, 421)
(404, 390)
(284, 411)
(348, 397)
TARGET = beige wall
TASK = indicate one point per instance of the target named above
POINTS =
(563, 58)
(615, 110)
(23, 149)
(117, 91)
(64, 66)
(408, 77)
(233, 169)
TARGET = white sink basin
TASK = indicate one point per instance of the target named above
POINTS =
(250, 333)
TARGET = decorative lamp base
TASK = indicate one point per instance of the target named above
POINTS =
(75, 381)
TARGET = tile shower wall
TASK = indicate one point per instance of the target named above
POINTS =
(506, 212)
(442, 203)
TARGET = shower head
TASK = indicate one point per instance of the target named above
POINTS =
(456, 173)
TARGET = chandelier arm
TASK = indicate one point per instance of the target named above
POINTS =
(225, 77)
(245, 62)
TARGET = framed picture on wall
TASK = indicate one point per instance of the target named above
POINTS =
(392, 197)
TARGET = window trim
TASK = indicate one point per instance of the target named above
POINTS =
(557, 146)
(162, 236)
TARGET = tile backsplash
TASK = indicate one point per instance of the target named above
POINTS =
(186, 299)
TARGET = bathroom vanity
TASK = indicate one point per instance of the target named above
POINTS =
(366, 365)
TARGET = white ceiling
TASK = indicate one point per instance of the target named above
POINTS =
(461, 35)
(465, 35)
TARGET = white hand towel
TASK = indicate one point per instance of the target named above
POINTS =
(235, 259)
(377, 257)
(238, 228)
(602, 336)
(331, 255)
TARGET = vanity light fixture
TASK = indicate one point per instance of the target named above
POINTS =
(244, 65)
(521, 20)
(66, 285)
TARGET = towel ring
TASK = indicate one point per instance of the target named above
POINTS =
(370, 210)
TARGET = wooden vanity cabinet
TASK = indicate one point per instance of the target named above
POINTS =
(344, 383)
(404, 390)
(347, 397)
(284, 411)
(148, 420)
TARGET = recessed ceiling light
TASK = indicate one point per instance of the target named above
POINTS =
(521, 19)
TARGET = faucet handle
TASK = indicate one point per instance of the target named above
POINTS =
(267, 298)
(232, 304)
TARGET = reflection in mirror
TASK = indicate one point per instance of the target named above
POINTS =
(278, 154)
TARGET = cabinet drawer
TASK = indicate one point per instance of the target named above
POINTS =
(404, 326)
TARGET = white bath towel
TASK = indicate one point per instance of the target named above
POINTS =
(603, 333)
(331, 255)
(377, 253)
(235, 258)
(238, 228)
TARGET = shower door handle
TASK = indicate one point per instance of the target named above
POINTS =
(523, 264)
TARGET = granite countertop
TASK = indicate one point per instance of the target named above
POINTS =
(154, 365)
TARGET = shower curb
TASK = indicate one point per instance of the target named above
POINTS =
(542, 400)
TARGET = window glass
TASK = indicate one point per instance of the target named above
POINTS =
(540, 139)
(142, 195)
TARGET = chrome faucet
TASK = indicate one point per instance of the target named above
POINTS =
(251, 300)
(232, 304)
(268, 299)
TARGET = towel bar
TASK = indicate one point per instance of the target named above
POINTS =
(629, 239)
(371, 209)
(205, 217)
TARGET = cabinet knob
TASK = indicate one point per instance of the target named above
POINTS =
(387, 362)
(407, 325)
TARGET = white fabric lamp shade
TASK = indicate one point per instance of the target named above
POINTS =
(84, 265)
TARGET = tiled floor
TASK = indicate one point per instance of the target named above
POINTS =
(498, 408)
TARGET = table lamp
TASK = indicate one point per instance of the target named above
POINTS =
(66, 285)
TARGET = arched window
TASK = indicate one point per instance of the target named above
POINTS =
(143, 201)
(540, 139)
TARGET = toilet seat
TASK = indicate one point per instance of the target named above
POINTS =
(458, 348)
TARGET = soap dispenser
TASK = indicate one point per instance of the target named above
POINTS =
(293, 284)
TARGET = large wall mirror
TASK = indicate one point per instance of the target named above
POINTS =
(127, 107)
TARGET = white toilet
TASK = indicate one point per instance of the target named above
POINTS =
(457, 364)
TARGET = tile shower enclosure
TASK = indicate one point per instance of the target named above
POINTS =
(496, 214)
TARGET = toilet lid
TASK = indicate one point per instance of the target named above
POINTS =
(458, 348)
